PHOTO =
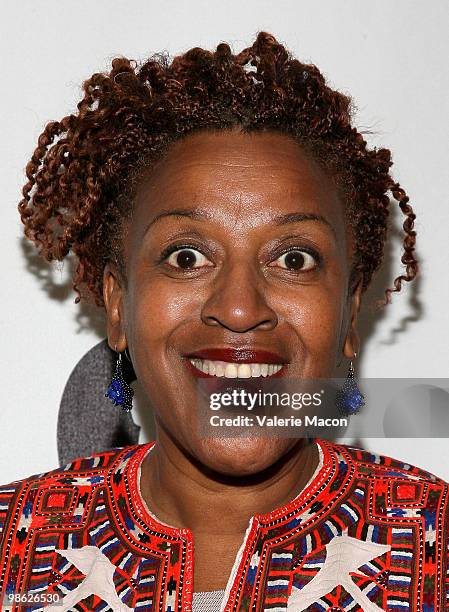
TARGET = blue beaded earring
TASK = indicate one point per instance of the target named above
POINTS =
(119, 391)
(349, 398)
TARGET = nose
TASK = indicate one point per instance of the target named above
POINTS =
(237, 301)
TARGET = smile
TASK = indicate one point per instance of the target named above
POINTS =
(223, 369)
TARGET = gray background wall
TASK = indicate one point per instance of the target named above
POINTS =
(392, 58)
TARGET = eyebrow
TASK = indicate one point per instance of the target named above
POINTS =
(196, 215)
(295, 217)
(201, 215)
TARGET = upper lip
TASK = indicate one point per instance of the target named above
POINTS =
(237, 355)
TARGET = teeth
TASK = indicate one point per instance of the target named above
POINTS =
(255, 370)
(225, 369)
(231, 370)
(244, 370)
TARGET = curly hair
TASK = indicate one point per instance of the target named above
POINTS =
(83, 172)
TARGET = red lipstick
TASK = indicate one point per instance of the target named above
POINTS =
(243, 355)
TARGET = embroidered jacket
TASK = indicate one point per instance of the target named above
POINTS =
(368, 533)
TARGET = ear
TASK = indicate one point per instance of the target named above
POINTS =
(352, 341)
(113, 296)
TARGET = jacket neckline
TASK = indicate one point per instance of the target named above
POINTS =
(131, 472)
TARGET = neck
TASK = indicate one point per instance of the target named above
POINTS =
(183, 494)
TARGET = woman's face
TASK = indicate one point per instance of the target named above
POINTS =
(219, 255)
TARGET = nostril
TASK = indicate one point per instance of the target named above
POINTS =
(241, 326)
(211, 321)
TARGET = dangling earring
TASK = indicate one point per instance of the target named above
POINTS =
(349, 398)
(119, 391)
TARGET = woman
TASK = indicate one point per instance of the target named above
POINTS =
(229, 218)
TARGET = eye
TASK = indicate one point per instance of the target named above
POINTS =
(298, 260)
(187, 258)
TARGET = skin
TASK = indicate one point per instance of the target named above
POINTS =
(241, 293)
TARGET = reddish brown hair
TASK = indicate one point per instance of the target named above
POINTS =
(82, 174)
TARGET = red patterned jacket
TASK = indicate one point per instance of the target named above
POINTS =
(368, 533)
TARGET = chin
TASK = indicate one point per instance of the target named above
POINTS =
(242, 456)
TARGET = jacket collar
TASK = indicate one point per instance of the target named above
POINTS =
(137, 521)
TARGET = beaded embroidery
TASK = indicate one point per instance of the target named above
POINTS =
(385, 522)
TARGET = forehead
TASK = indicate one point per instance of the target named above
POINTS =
(256, 176)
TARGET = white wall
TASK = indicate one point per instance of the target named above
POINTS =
(391, 56)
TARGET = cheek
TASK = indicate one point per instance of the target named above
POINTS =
(157, 309)
(152, 312)
(314, 315)
(318, 319)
